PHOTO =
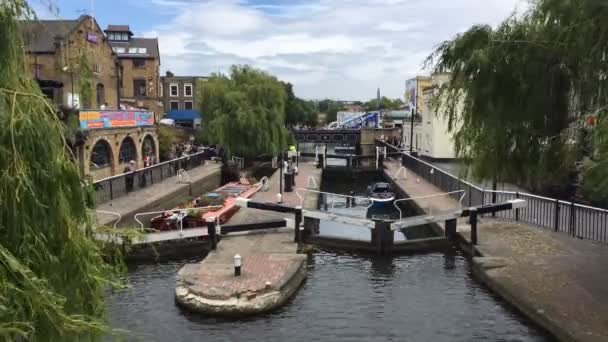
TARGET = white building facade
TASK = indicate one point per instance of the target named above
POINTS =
(431, 136)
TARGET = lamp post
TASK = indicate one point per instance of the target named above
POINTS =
(280, 197)
(118, 74)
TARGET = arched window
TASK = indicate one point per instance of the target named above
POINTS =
(128, 151)
(101, 155)
(148, 147)
(101, 95)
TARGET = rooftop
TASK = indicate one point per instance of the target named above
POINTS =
(136, 48)
(118, 28)
(40, 35)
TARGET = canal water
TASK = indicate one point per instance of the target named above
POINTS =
(346, 297)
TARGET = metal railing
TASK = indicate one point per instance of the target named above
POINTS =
(396, 202)
(114, 187)
(577, 220)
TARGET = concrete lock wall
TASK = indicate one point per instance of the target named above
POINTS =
(114, 138)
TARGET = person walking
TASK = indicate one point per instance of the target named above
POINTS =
(130, 175)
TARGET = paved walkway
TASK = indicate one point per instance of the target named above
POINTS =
(154, 195)
(272, 271)
(417, 187)
(558, 281)
(305, 170)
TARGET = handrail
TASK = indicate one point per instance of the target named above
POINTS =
(264, 184)
(445, 172)
(311, 178)
(401, 169)
(150, 167)
(183, 177)
(331, 193)
(464, 193)
(113, 214)
(180, 211)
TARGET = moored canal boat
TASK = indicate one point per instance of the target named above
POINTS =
(219, 204)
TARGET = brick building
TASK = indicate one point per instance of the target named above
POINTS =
(180, 92)
(181, 100)
(139, 60)
(67, 55)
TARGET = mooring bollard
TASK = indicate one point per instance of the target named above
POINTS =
(450, 229)
(382, 237)
(279, 198)
(237, 265)
(212, 233)
(473, 219)
(297, 233)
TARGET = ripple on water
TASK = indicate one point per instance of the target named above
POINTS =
(346, 297)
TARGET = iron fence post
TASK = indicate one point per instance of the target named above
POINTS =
(111, 191)
(556, 217)
(470, 194)
(297, 234)
(517, 210)
(572, 219)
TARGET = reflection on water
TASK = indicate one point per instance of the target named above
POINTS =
(346, 297)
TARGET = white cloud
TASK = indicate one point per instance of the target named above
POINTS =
(326, 48)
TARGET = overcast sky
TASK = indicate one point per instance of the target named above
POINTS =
(339, 49)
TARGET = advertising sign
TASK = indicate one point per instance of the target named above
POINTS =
(112, 119)
(411, 89)
(92, 37)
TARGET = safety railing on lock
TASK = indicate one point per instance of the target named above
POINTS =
(396, 202)
(114, 187)
(577, 220)
(351, 200)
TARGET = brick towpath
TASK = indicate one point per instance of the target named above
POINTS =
(272, 268)
(559, 282)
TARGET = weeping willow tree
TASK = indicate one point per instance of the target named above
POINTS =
(244, 112)
(52, 274)
(518, 91)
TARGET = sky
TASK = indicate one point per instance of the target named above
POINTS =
(337, 49)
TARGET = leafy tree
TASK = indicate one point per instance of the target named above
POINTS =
(517, 90)
(298, 111)
(385, 103)
(52, 273)
(167, 138)
(245, 112)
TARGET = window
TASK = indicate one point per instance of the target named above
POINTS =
(139, 87)
(101, 94)
(174, 90)
(124, 36)
(161, 90)
(132, 50)
(97, 68)
(188, 89)
(120, 50)
(37, 69)
(187, 104)
(174, 105)
(142, 50)
(111, 36)
(139, 63)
